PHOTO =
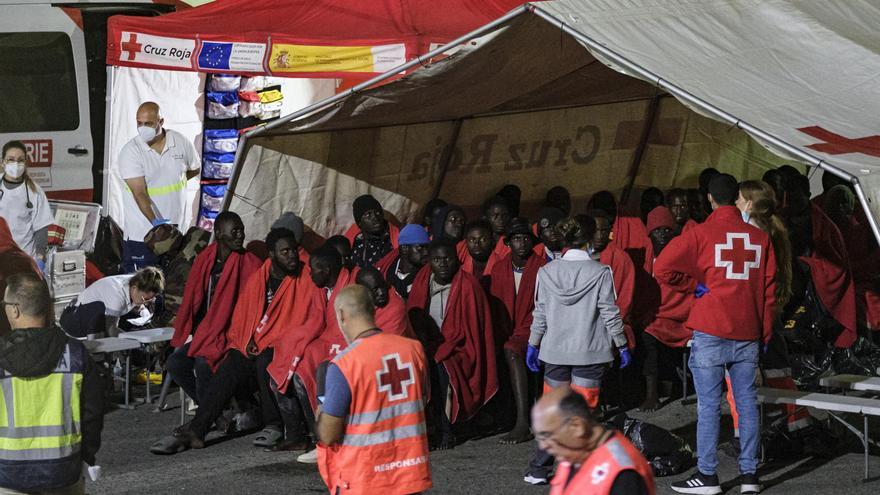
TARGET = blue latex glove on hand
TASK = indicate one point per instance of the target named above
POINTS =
(532, 361)
(766, 348)
(625, 356)
(160, 221)
(41, 265)
(701, 291)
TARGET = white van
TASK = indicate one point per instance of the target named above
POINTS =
(53, 88)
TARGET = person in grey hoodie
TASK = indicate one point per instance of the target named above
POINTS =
(576, 325)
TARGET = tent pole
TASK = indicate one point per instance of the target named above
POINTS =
(233, 179)
(864, 201)
(650, 115)
(446, 158)
(638, 71)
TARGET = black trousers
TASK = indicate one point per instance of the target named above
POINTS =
(237, 372)
(83, 320)
(191, 374)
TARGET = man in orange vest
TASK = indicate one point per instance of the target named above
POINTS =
(593, 460)
(371, 421)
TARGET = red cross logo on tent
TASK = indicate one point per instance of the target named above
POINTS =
(835, 144)
(395, 377)
(737, 256)
(132, 47)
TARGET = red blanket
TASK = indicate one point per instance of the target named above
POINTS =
(12, 260)
(287, 325)
(630, 235)
(624, 273)
(668, 323)
(387, 262)
(512, 309)
(464, 345)
(467, 263)
(831, 275)
(330, 340)
(209, 339)
(393, 318)
(836, 291)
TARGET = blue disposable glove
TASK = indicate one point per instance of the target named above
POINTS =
(766, 348)
(532, 361)
(41, 265)
(625, 356)
(160, 221)
(701, 291)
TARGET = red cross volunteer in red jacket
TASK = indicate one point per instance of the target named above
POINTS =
(731, 266)
(371, 422)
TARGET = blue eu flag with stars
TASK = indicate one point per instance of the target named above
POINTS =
(215, 55)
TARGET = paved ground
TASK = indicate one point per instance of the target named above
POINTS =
(233, 466)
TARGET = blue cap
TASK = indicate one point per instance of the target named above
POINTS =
(413, 234)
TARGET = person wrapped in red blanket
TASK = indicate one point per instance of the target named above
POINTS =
(216, 279)
(371, 236)
(451, 316)
(401, 266)
(476, 252)
(276, 304)
(665, 332)
(512, 298)
(391, 314)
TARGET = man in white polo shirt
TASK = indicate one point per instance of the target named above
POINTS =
(155, 166)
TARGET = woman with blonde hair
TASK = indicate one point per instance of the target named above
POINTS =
(758, 205)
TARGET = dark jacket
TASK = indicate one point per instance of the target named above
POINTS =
(36, 352)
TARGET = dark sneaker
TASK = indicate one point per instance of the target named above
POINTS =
(749, 483)
(699, 484)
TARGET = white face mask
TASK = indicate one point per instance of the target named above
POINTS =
(147, 133)
(14, 169)
(746, 216)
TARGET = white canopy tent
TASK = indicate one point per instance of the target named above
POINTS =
(524, 102)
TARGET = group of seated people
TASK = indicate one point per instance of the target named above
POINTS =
(259, 329)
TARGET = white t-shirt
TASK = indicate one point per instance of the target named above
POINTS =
(113, 291)
(24, 221)
(165, 175)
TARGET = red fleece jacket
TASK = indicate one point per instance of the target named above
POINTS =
(736, 262)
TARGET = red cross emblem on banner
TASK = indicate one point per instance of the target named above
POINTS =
(395, 377)
(132, 47)
(737, 256)
(835, 144)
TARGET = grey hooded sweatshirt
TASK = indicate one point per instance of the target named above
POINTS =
(576, 320)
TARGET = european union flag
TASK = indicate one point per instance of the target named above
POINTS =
(215, 55)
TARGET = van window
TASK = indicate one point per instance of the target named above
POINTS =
(37, 83)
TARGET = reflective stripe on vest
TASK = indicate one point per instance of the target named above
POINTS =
(157, 191)
(40, 417)
(386, 413)
(399, 433)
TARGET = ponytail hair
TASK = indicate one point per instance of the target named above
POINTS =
(763, 212)
(577, 231)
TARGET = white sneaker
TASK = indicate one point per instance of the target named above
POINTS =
(310, 457)
(533, 480)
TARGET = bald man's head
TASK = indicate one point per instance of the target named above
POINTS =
(564, 425)
(355, 312)
(149, 121)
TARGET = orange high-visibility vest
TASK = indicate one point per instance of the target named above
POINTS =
(385, 446)
(597, 475)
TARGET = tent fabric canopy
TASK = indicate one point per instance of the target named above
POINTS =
(799, 76)
(297, 38)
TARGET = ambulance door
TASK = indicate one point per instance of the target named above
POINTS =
(44, 94)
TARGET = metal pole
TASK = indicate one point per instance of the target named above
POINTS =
(318, 106)
(864, 201)
(707, 107)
